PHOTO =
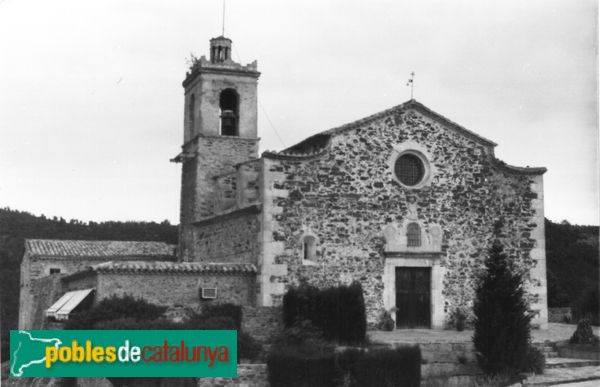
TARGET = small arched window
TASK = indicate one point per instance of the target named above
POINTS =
(309, 248)
(191, 108)
(413, 235)
(229, 104)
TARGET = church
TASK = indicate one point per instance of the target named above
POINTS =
(404, 201)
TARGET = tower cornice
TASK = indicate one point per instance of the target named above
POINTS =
(241, 71)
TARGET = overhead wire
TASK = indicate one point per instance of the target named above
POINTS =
(263, 108)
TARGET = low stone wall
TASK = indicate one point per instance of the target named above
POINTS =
(443, 360)
(249, 375)
(578, 351)
(560, 315)
(263, 323)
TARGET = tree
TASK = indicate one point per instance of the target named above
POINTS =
(502, 331)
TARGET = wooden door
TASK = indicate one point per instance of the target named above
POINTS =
(413, 297)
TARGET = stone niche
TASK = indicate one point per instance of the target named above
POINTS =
(414, 244)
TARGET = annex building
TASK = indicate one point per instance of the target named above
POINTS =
(403, 201)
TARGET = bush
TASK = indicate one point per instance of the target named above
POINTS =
(584, 334)
(295, 367)
(115, 308)
(383, 367)
(212, 323)
(302, 332)
(386, 322)
(338, 311)
(460, 320)
(536, 361)
(248, 347)
(224, 310)
(502, 331)
(313, 366)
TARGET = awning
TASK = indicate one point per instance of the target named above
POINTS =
(61, 309)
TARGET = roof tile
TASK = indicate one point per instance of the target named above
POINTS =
(173, 267)
(97, 249)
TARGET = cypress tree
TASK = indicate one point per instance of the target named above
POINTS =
(502, 322)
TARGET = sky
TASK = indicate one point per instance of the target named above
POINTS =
(91, 102)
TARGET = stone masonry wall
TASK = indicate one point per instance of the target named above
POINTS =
(182, 289)
(347, 195)
(41, 267)
(212, 157)
(233, 240)
(263, 323)
(255, 375)
(82, 282)
(41, 294)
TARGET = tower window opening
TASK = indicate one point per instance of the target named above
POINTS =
(309, 248)
(413, 235)
(228, 102)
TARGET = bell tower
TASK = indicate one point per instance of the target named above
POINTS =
(220, 131)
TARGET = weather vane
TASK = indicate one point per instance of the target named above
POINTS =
(411, 83)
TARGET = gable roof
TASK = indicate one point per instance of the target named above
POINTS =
(317, 143)
(52, 248)
(412, 104)
(164, 267)
(174, 267)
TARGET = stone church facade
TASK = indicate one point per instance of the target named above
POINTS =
(404, 201)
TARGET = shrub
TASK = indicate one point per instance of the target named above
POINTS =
(460, 320)
(115, 308)
(584, 334)
(383, 367)
(313, 366)
(224, 310)
(295, 367)
(536, 361)
(302, 332)
(213, 323)
(248, 347)
(386, 322)
(502, 331)
(338, 311)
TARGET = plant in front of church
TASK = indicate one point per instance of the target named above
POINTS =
(584, 334)
(115, 308)
(355, 367)
(224, 310)
(460, 319)
(502, 322)
(386, 322)
(128, 313)
(339, 312)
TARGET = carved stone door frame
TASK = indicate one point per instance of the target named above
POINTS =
(431, 260)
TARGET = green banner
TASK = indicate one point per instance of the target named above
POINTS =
(101, 353)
